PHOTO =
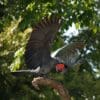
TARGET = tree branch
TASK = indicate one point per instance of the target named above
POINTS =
(52, 83)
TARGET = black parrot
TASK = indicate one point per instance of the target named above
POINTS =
(37, 51)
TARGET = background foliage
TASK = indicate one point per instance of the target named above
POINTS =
(16, 21)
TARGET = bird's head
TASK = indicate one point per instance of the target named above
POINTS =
(60, 67)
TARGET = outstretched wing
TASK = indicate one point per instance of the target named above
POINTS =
(37, 50)
(69, 53)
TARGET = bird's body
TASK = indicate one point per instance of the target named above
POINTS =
(37, 51)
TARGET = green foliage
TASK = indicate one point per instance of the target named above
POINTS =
(17, 18)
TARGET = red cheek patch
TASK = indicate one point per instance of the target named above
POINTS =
(60, 67)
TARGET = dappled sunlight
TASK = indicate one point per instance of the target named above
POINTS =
(79, 23)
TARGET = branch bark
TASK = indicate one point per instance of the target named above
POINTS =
(53, 84)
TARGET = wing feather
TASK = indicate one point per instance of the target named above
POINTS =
(37, 50)
(69, 54)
